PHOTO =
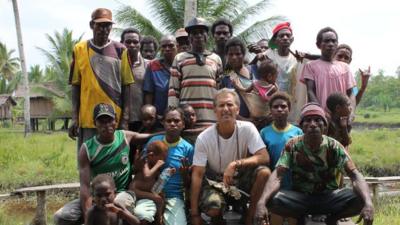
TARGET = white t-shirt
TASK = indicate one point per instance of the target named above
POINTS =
(286, 65)
(218, 152)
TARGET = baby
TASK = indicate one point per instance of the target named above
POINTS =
(144, 180)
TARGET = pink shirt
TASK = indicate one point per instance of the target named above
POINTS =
(329, 77)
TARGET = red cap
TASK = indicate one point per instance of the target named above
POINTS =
(277, 28)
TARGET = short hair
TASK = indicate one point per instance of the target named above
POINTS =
(149, 40)
(174, 108)
(344, 46)
(148, 107)
(235, 41)
(336, 99)
(325, 30)
(222, 21)
(225, 91)
(157, 147)
(102, 178)
(280, 95)
(130, 30)
(168, 37)
(262, 39)
(267, 67)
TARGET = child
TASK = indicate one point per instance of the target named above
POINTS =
(149, 119)
(344, 54)
(266, 85)
(105, 211)
(191, 132)
(339, 124)
(144, 180)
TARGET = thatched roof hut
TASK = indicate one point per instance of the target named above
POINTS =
(6, 103)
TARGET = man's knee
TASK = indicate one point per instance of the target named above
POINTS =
(263, 173)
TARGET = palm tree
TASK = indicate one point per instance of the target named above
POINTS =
(35, 74)
(170, 15)
(9, 65)
(56, 73)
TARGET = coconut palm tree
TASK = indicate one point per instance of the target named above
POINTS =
(9, 65)
(56, 73)
(170, 15)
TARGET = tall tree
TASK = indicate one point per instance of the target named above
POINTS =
(27, 116)
(170, 15)
(56, 74)
(9, 65)
(35, 74)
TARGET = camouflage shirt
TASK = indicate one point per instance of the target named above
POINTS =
(314, 172)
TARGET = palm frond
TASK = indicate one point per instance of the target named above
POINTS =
(167, 12)
(129, 16)
(240, 20)
(260, 29)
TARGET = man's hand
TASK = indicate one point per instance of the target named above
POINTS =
(254, 48)
(367, 214)
(365, 75)
(159, 163)
(261, 214)
(113, 207)
(73, 130)
(229, 173)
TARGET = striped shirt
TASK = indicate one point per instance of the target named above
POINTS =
(195, 85)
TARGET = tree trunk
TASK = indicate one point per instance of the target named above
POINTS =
(190, 10)
(27, 115)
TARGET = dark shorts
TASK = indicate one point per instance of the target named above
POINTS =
(339, 203)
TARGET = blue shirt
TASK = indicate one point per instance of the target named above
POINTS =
(176, 151)
(156, 82)
(275, 141)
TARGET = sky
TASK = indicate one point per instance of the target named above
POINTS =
(369, 27)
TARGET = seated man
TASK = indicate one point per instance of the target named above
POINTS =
(314, 160)
(231, 151)
(106, 153)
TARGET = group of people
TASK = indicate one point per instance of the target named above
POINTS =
(181, 134)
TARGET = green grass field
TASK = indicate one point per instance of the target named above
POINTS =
(51, 158)
(378, 116)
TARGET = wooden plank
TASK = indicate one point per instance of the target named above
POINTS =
(379, 179)
(47, 188)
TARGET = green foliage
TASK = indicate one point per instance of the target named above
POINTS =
(170, 15)
(378, 116)
(382, 92)
(9, 70)
(56, 73)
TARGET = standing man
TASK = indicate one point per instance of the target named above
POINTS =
(182, 39)
(156, 79)
(98, 75)
(314, 160)
(221, 31)
(149, 47)
(230, 151)
(194, 74)
(325, 76)
(288, 67)
(131, 39)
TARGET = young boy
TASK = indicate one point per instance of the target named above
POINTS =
(105, 211)
(144, 180)
(344, 54)
(339, 124)
(191, 132)
(149, 119)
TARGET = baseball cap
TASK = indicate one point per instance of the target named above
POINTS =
(102, 15)
(103, 109)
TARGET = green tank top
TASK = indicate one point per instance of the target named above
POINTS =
(111, 159)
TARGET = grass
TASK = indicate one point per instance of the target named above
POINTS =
(378, 116)
(377, 150)
(36, 160)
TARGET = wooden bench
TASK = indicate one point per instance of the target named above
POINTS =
(374, 183)
(40, 215)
